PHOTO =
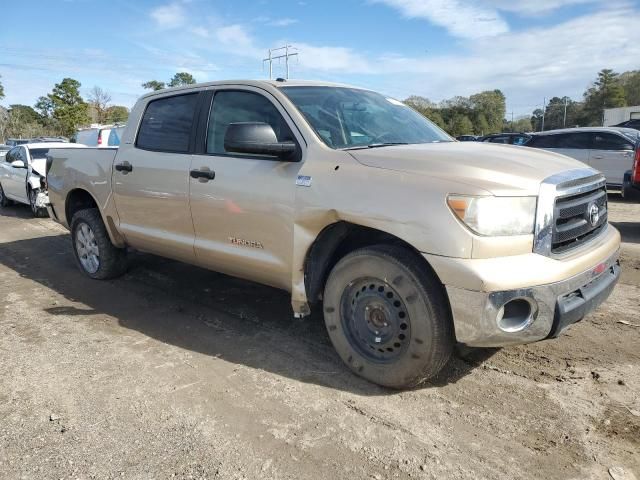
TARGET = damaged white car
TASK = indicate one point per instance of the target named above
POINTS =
(23, 175)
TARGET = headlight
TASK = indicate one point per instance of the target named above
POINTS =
(495, 216)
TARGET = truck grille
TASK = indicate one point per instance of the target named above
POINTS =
(575, 219)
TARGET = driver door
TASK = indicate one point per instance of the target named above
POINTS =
(14, 179)
(243, 216)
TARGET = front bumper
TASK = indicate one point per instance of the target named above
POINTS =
(42, 200)
(479, 316)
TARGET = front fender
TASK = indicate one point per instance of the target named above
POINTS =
(33, 181)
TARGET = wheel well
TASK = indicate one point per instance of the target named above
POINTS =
(336, 241)
(78, 199)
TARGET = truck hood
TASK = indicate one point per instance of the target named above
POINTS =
(39, 166)
(498, 169)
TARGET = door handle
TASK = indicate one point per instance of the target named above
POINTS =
(598, 157)
(124, 167)
(203, 175)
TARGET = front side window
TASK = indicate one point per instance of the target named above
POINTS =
(232, 106)
(167, 124)
(609, 141)
(352, 118)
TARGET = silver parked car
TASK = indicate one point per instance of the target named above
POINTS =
(611, 150)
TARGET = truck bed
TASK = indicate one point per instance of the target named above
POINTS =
(88, 168)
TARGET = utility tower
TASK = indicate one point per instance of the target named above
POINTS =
(286, 55)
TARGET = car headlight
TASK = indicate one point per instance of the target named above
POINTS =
(495, 216)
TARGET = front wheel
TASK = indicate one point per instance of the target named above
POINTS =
(38, 212)
(96, 256)
(388, 317)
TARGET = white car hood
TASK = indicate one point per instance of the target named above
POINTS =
(39, 166)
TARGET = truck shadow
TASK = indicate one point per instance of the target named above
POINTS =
(204, 312)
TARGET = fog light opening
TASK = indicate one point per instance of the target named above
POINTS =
(516, 315)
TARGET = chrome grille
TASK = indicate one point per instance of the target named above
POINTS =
(573, 222)
(563, 221)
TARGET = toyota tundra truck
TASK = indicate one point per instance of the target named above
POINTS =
(409, 241)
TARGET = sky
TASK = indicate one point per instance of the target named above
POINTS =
(530, 49)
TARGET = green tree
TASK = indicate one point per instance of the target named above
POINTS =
(491, 104)
(25, 112)
(182, 78)
(522, 125)
(154, 85)
(630, 82)
(117, 114)
(427, 108)
(1, 90)
(65, 106)
(460, 125)
(606, 92)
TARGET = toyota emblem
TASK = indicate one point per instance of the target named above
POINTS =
(594, 214)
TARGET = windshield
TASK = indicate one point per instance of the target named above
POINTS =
(38, 153)
(353, 118)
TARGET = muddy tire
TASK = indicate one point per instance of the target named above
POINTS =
(388, 317)
(4, 201)
(95, 255)
(38, 212)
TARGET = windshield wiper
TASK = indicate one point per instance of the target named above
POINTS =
(377, 145)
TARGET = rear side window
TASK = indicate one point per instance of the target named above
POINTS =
(609, 141)
(561, 140)
(167, 124)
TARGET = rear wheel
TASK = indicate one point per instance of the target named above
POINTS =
(4, 201)
(96, 256)
(38, 212)
(388, 317)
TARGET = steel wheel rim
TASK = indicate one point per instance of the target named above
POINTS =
(87, 248)
(375, 320)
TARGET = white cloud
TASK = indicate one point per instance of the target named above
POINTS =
(331, 59)
(461, 18)
(282, 22)
(534, 7)
(169, 16)
(558, 60)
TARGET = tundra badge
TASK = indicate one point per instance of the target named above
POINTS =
(303, 181)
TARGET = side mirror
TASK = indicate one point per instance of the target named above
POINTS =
(257, 138)
(18, 164)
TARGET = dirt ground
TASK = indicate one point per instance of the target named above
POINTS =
(177, 372)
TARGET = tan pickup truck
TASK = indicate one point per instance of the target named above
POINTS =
(408, 240)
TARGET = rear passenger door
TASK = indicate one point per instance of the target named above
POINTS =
(574, 144)
(611, 154)
(243, 217)
(151, 178)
